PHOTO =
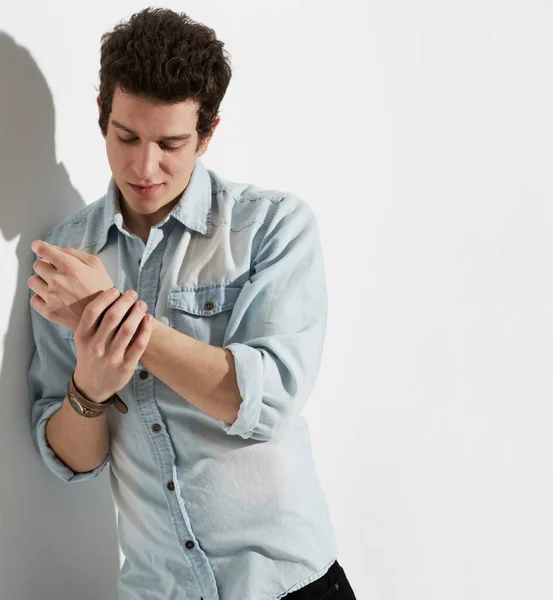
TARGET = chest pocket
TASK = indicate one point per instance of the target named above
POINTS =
(203, 312)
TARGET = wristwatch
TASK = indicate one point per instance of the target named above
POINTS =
(89, 409)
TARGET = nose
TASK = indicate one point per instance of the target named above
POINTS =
(146, 162)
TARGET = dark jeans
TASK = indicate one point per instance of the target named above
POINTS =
(332, 585)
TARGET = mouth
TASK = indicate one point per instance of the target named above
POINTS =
(144, 190)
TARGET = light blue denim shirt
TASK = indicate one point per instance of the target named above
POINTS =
(207, 509)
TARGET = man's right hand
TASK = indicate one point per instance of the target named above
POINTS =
(107, 354)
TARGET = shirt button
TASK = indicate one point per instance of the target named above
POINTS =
(189, 544)
(171, 486)
(156, 427)
(143, 375)
(208, 305)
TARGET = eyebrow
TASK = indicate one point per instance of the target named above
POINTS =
(165, 138)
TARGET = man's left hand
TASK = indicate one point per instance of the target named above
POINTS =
(67, 280)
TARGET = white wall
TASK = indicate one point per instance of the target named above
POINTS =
(421, 133)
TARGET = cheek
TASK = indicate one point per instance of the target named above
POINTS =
(180, 166)
(116, 157)
(110, 151)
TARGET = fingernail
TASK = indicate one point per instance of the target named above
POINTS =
(133, 294)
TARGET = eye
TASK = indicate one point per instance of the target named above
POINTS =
(168, 148)
(162, 145)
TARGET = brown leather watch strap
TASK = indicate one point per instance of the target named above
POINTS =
(119, 404)
(97, 407)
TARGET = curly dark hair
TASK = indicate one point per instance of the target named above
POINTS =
(166, 56)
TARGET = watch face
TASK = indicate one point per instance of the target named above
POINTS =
(85, 412)
(80, 409)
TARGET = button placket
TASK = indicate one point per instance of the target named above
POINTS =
(152, 418)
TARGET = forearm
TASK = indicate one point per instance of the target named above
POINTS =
(202, 374)
(80, 443)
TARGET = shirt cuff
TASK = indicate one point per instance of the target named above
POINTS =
(249, 376)
(52, 461)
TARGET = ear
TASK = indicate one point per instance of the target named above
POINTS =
(205, 144)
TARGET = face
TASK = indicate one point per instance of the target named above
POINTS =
(151, 149)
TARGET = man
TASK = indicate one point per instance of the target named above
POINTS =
(210, 462)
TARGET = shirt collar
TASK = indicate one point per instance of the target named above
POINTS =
(193, 208)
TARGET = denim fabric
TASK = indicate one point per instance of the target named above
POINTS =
(241, 268)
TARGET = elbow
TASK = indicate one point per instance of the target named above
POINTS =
(271, 424)
(271, 392)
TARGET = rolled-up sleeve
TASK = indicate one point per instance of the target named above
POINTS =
(52, 364)
(277, 327)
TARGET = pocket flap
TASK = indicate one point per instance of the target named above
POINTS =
(204, 300)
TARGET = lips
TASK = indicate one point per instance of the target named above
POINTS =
(142, 190)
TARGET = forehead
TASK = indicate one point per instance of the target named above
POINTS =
(154, 117)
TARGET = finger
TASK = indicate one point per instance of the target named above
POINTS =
(128, 329)
(44, 269)
(38, 285)
(93, 311)
(38, 304)
(113, 317)
(82, 256)
(53, 254)
(137, 348)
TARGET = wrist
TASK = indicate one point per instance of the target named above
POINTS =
(87, 390)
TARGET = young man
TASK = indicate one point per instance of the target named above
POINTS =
(210, 462)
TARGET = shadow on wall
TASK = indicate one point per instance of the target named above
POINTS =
(57, 540)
